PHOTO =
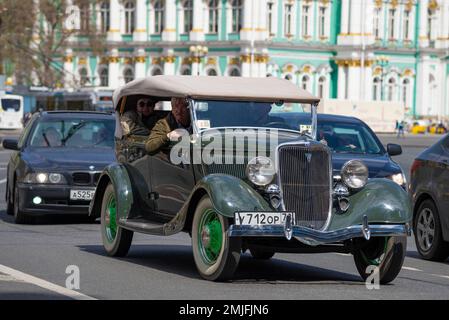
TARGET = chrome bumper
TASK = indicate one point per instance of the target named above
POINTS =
(314, 237)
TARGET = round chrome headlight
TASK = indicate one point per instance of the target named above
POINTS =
(354, 174)
(55, 178)
(260, 171)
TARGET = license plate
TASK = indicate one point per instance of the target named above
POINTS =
(82, 194)
(262, 218)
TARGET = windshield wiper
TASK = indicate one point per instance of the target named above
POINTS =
(46, 140)
(72, 131)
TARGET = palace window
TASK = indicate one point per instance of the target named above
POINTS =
(391, 89)
(212, 73)
(321, 86)
(431, 24)
(322, 22)
(270, 17)
(105, 14)
(237, 15)
(187, 15)
(305, 81)
(157, 71)
(130, 17)
(104, 77)
(213, 16)
(405, 91)
(376, 89)
(128, 75)
(186, 71)
(84, 18)
(84, 76)
(377, 19)
(391, 24)
(158, 17)
(288, 19)
(407, 25)
(234, 72)
(306, 21)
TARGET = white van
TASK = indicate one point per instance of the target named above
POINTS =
(11, 112)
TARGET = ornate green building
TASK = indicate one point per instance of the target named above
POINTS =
(353, 50)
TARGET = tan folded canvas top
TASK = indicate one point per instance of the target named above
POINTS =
(216, 88)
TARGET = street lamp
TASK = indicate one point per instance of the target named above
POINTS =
(383, 62)
(198, 53)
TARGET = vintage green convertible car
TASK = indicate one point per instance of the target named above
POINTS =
(241, 179)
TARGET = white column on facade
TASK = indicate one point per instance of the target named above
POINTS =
(197, 32)
(341, 82)
(368, 74)
(422, 84)
(140, 64)
(354, 82)
(114, 69)
(442, 40)
(169, 32)
(68, 69)
(169, 62)
(114, 33)
(423, 27)
(249, 20)
(140, 33)
(195, 68)
(262, 27)
(345, 17)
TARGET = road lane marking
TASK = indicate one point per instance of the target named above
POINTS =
(440, 276)
(3, 181)
(18, 275)
(411, 269)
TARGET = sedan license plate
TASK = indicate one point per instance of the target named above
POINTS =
(85, 195)
(262, 218)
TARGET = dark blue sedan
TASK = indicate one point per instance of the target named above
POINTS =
(57, 162)
(350, 138)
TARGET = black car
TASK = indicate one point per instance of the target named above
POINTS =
(350, 138)
(429, 185)
(57, 162)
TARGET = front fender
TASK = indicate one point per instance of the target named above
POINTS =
(118, 175)
(381, 200)
(230, 194)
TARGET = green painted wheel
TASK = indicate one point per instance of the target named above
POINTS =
(387, 254)
(116, 240)
(216, 254)
(111, 219)
(210, 236)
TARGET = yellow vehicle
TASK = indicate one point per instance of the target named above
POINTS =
(437, 129)
(418, 128)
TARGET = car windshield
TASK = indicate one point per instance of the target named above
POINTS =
(217, 114)
(348, 138)
(74, 133)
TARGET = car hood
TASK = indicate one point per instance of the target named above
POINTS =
(68, 158)
(379, 166)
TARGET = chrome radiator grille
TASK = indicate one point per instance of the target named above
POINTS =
(304, 172)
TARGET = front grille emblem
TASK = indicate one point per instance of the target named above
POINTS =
(309, 157)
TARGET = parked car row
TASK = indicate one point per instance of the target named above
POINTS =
(326, 183)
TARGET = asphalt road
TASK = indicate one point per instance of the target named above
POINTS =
(34, 260)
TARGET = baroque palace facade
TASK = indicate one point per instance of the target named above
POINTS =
(354, 50)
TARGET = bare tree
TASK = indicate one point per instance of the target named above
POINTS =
(37, 46)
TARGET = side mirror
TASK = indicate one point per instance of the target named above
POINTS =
(11, 144)
(394, 149)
